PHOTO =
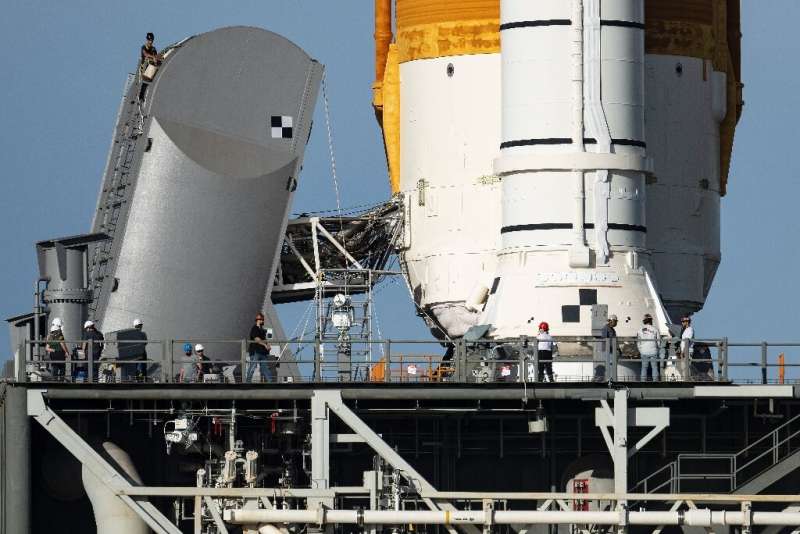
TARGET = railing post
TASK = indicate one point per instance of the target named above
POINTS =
(243, 361)
(387, 360)
(461, 359)
(774, 447)
(536, 362)
(22, 363)
(317, 359)
(614, 360)
(724, 356)
(763, 362)
(167, 371)
(90, 362)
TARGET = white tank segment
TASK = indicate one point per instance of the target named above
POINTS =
(448, 141)
(573, 163)
(686, 103)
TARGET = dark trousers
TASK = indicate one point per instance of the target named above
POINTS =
(545, 365)
(58, 366)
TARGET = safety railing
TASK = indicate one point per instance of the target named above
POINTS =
(725, 471)
(576, 359)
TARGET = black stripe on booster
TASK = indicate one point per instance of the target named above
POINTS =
(569, 226)
(567, 141)
(622, 24)
(540, 141)
(535, 23)
(620, 142)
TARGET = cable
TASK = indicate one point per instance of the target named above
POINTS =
(330, 144)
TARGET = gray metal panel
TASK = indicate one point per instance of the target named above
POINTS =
(207, 216)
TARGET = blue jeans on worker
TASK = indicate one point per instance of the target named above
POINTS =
(650, 360)
(264, 367)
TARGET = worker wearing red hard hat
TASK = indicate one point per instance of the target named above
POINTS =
(545, 347)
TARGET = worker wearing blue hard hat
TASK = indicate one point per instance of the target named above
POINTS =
(186, 372)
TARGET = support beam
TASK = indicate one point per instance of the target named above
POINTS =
(338, 245)
(333, 399)
(15, 460)
(620, 453)
(95, 463)
(212, 507)
(320, 441)
(300, 258)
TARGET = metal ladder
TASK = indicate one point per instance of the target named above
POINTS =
(116, 193)
(736, 469)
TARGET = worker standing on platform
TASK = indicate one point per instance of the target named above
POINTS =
(545, 348)
(188, 365)
(57, 350)
(202, 363)
(139, 351)
(94, 340)
(259, 352)
(686, 346)
(649, 345)
(602, 368)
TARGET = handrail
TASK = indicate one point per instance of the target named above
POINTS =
(676, 474)
(765, 436)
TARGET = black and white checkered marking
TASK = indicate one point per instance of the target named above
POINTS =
(571, 313)
(281, 126)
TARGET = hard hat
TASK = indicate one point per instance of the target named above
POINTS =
(54, 328)
(137, 322)
(544, 326)
(87, 324)
(199, 348)
(187, 347)
(57, 321)
(612, 317)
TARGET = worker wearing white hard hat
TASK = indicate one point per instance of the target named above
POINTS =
(57, 350)
(202, 363)
(137, 323)
(92, 346)
(57, 321)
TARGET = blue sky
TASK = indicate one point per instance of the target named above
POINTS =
(65, 64)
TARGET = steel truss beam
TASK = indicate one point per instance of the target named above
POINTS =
(333, 400)
(95, 463)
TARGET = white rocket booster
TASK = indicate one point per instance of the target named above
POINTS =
(562, 161)
(572, 161)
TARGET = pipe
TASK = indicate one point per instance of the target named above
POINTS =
(380, 391)
(577, 117)
(111, 514)
(697, 517)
